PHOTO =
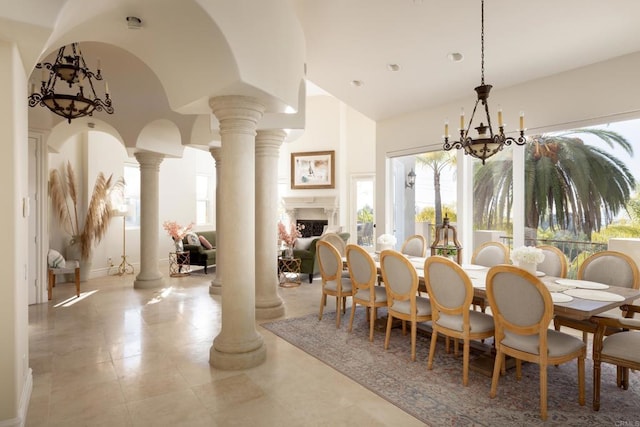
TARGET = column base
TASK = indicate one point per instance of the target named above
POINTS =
(265, 313)
(237, 361)
(215, 288)
(149, 284)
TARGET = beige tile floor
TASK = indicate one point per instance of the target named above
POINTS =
(125, 357)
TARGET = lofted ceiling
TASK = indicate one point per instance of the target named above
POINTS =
(349, 40)
(524, 40)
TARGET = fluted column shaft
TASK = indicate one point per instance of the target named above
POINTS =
(269, 305)
(216, 284)
(238, 345)
(149, 276)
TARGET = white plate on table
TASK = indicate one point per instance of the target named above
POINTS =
(473, 267)
(582, 284)
(558, 297)
(594, 295)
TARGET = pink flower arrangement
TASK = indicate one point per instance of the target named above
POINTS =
(175, 230)
(289, 237)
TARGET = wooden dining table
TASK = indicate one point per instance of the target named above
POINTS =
(578, 308)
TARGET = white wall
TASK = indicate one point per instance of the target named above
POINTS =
(178, 193)
(590, 95)
(331, 125)
(15, 374)
(94, 152)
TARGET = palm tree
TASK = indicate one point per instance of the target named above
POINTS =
(568, 184)
(437, 161)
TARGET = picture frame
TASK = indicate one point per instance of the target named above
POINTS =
(313, 170)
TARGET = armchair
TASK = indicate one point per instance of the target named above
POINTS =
(198, 254)
(305, 249)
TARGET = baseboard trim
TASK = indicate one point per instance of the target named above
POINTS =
(21, 419)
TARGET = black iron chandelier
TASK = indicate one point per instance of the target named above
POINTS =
(486, 144)
(80, 98)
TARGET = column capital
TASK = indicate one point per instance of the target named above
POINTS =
(149, 159)
(268, 142)
(237, 114)
(216, 153)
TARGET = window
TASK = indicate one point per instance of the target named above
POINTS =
(132, 194)
(204, 197)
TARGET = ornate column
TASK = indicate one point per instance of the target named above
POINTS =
(269, 305)
(216, 284)
(238, 345)
(149, 276)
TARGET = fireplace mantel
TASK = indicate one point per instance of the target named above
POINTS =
(312, 208)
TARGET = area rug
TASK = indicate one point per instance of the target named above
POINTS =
(438, 398)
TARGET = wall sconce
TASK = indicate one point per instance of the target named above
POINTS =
(411, 179)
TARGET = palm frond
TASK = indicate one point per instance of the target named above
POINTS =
(59, 201)
(73, 194)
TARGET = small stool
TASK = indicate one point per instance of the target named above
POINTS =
(72, 266)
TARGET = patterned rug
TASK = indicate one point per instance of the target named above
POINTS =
(438, 398)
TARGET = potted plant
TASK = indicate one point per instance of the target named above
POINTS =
(64, 198)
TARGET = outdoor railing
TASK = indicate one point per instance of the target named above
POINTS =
(575, 251)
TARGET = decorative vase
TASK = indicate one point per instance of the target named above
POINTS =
(179, 245)
(288, 251)
(528, 266)
(73, 251)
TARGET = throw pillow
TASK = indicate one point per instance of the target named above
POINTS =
(205, 242)
(303, 243)
(192, 239)
(55, 259)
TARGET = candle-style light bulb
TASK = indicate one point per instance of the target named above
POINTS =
(500, 123)
(521, 120)
(446, 129)
(462, 118)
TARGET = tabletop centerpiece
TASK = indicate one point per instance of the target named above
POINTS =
(386, 241)
(177, 233)
(527, 258)
(288, 238)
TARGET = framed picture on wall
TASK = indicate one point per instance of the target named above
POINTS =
(314, 169)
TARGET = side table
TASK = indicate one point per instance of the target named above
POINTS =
(179, 264)
(289, 272)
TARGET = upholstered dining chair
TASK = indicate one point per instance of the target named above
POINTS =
(401, 284)
(555, 262)
(364, 275)
(332, 281)
(336, 241)
(522, 311)
(610, 268)
(621, 348)
(450, 292)
(489, 254)
(415, 245)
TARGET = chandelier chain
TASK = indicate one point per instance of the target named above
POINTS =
(482, 43)
(487, 143)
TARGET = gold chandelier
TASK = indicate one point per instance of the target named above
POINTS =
(486, 144)
(74, 101)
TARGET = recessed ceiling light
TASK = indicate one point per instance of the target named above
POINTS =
(393, 67)
(134, 23)
(455, 57)
(357, 83)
